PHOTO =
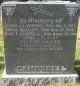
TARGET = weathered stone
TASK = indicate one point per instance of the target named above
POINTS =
(40, 38)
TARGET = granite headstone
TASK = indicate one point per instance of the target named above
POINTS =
(40, 37)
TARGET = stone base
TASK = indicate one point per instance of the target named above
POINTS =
(25, 80)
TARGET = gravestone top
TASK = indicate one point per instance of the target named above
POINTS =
(40, 37)
(38, 2)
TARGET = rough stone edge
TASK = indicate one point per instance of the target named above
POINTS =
(38, 79)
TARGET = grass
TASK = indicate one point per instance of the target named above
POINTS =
(77, 61)
(1, 50)
(1, 57)
(77, 54)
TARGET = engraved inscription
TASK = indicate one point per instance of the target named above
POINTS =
(41, 69)
(40, 34)
(40, 38)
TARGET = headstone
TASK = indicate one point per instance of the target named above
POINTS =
(40, 37)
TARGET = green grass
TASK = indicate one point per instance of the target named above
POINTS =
(77, 55)
(77, 61)
(1, 49)
(1, 57)
(1, 69)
